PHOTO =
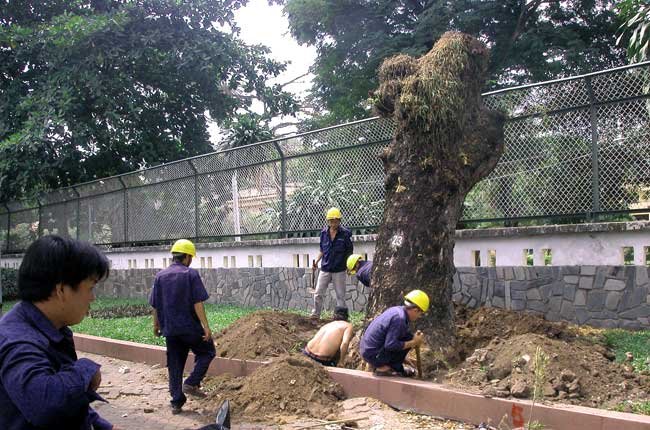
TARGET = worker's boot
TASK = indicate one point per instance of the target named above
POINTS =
(193, 390)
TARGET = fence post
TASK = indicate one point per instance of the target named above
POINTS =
(40, 217)
(283, 190)
(595, 165)
(196, 199)
(78, 210)
(126, 210)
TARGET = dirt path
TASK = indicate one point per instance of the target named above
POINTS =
(138, 399)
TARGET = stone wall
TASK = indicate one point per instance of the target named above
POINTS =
(600, 296)
(276, 287)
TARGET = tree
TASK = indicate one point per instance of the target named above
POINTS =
(93, 88)
(530, 40)
(445, 142)
(634, 30)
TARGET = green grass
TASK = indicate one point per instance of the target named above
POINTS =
(140, 329)
(634, 407)
(636, 342)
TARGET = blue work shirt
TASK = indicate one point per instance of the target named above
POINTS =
(364, 272)
(176, 290)
(42, 383)
(335, 252)
(387, 332)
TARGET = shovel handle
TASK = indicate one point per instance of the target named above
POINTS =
(418, 361)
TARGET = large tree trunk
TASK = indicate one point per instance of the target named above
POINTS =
(444, 144)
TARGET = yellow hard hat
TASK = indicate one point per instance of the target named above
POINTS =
(184, 246)
(333, 213)
(418, 298)
(352, 261)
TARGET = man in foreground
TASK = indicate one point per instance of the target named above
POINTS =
(177, 298)
(329, 346)
(387, 340)
(42, 383)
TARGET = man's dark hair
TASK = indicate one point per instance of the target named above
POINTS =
(341, 314)
(51, 260)
(178, 257)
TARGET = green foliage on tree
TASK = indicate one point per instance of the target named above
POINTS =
(92, 88)
(530, 41)
(635, 29)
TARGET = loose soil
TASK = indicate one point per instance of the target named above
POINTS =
(495, 355)
(265, 334)
(287, 386)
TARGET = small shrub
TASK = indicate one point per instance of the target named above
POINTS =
(122, 311)
(9, 284)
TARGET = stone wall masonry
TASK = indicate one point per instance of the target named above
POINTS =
(599, 296)
(275, 287)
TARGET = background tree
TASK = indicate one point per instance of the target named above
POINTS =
(531, 41)
(635, 29)
(445, 142)
(93, 88)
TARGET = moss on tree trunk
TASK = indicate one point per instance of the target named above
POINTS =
(445, 142)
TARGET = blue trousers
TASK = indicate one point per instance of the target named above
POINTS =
(393, 359)
(178, 348)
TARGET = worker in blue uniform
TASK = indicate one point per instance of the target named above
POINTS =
(387, 340)
(179, 315)
(358, 266)
(43, 385)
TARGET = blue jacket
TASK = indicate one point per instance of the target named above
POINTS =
(42, 383)
(364, 273)
(176, 290)
(335, 252)
(387, 332)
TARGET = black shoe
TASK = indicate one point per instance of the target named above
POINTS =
(193, 390)
(176, 409)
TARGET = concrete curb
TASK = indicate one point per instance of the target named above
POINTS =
(419, 396)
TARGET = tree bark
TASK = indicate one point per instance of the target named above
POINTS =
(445, 142)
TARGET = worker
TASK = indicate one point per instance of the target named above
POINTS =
(387, 340)
(358, 266)
(335, 248)
(42, 382)
(179, 315)
(329, 346)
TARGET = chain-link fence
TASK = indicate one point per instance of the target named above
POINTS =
(574, 147)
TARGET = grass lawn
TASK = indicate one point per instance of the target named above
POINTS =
(140, 329)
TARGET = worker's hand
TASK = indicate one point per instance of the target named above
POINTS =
(418, 339)
(96, 381)
(207, 334)
(314, 265)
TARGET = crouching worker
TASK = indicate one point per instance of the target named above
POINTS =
(329, 346)
(387, 340)
(358, 266)
(42, 383)
(177, 298)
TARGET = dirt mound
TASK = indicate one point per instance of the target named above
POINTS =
(576, 371)
(265, 334)
(477, 328)
(290, 385)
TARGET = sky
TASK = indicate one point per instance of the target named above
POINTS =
(264, 24)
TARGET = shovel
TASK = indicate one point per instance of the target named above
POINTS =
(418, 361)
(314, 269)
(222, 419)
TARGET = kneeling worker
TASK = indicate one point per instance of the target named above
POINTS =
(387, 340)
(329, 346)
(358, 266)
